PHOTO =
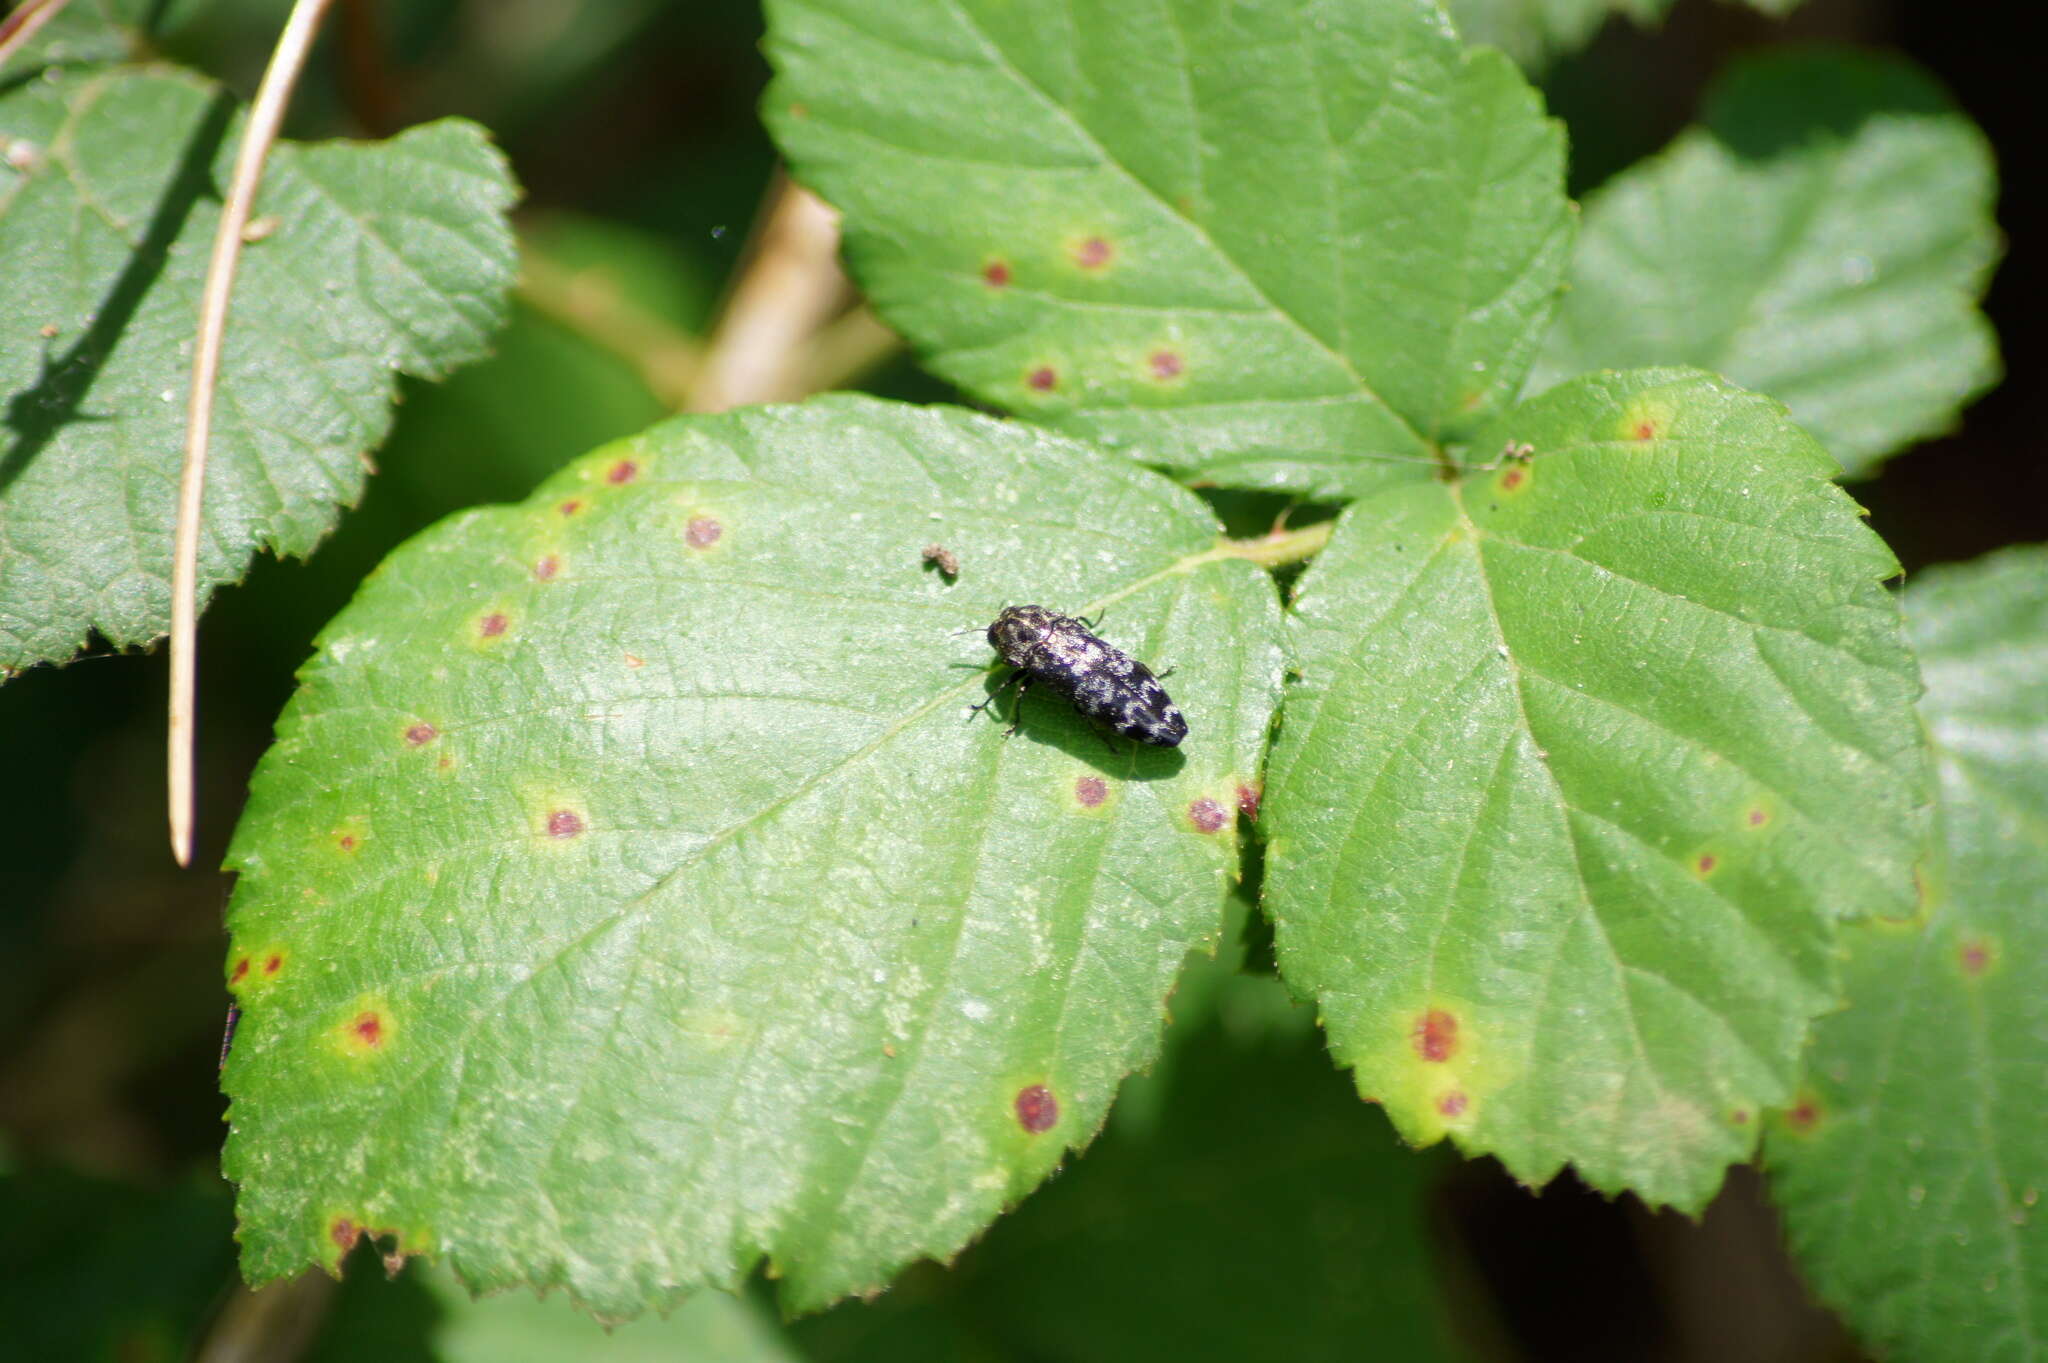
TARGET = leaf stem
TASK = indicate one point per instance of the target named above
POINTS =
(1279, 548)
(265, 116)
(277, 1321)
(790, 287)
(591, 303)
(17, 28)
(844, 351)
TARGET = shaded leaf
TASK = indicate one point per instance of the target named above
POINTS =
(378, 258)
(1823, 238)
(1294, 245)
(1257, 1210)
(1588, 754)
(1536, 32)
(426, 1316)
(96, 31)
(1912, 1168)
(628, 896)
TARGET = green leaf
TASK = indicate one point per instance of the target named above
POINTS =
(1912, 1168)
(1823, 238)
(1536, 32)
(1293, 246)
(630, 897)
(378, 258)
(1261, 1190)
(516, 1328)
(1587, 756)
(424, 1315)
(86, 32)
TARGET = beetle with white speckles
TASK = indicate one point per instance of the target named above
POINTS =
(1102, 681)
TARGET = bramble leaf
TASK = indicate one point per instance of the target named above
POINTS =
(1588, 754)
(425, 1315)
(1824, 237)
(1535, 32)
(629, 896)
(1295, 245)
(1911, 1169)
(373, 259)
(1246, 1177)
(94, 32)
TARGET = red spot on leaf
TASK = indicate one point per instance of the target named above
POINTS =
(1037, 1110)
(1248, 798)
(996, 274)
(1512, 479)
(348, 842)
(241, 971)
(548, 566)
(1804, 1115)
(492, 625)
(1758, 817)
(420, 734)
(1436, 1035)
(1705, 863)
(345, 1233)
(564, 823)
(570, 507)
(1166, 364)
(1452, 1104)
(1207, 815)
(1091, 790)
(1740, 1116)
(625, 471)
(702, 532)
(1645, 430)
(1093, 253)
(1975, 956)
(272, 964)
(1042, 379)
(368, 1029)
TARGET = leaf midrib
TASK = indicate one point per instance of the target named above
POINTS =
(1587, 909)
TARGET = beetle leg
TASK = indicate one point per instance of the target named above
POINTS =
(1018, 678)
(1017, 713)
